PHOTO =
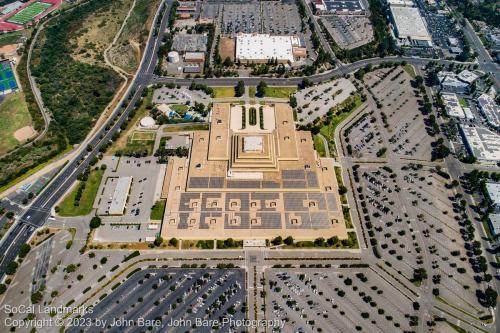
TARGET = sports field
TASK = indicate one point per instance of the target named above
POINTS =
(29, 13)
(7, 78)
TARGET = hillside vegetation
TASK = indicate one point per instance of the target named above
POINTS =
(75, 92)
(127, 51)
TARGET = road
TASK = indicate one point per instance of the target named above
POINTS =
(38, 213)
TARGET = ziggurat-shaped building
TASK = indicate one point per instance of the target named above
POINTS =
(251, 176)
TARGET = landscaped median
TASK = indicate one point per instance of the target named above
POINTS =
(80, 200)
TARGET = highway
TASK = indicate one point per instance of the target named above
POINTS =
(38, 213)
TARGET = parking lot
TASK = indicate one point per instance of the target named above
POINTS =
(349, 32)
(144, 192)
(276, 18)
(165, 95)
(336, 300)
(399, 124)
(174, 299)
(316, 101)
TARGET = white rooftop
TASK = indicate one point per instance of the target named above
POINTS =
(452, 105)
(265, 46)
(495, 223)
(120, 195)
(252, 143)
(467, 76)
(490, 109)
(494, 192)
(409, 23)
(483, 143)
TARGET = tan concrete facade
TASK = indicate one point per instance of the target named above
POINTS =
(277, 185)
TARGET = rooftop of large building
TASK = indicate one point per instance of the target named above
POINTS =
(490, 109)
(409, 23)
(258, 47)
(482, 143)
(252, 175)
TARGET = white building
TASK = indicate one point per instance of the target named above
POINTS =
(261, 48)
(489, 109)
(120, 196)
(493, 190)
(410, 26)
(452, 105)
(449, 81)
(467, 76)
(401, 3)
(482, 143)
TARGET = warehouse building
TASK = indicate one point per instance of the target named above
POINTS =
(260, 48)
(190, 42)
(409, 27)
(481, 143)
(489, 109)
(493, 190)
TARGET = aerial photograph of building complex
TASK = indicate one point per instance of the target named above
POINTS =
(253, 166)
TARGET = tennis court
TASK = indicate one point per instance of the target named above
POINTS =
(7, 79)
(29, 13)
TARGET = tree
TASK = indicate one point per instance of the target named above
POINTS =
(95, 222)
(288, 240)
(3, 288)
(490, 297)
(239, 90)
(11, 268)
(173, 241)
(261, 89)
(277, 241)
(342, 190)
(36, 297)
(419, 274)
(158, 241)
(23, 251)
(293, 101)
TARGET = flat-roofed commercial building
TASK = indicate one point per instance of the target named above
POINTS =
(252, 176)
(120, 196)
(409, 26)
(339, 7)
(493, 190)
(481, 143)
(452, 105)
(489, 109)
(260, 48)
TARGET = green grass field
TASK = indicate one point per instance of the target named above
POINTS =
(181, 128)
(319, 146)
(279, 92)
(14, 36)
(157, 210)
(410, 70)
(179, 108)
(67, 206)
(29, 13)
(143, 136)
(14, 115)
(223, 92)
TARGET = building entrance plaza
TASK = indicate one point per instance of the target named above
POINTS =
(252, 176)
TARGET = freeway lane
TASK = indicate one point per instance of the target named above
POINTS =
(39, 211)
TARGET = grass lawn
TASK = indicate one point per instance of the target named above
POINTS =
(223, 92)
(142, 111)
(157, 210)
(279, 92)
(180, 128)
(319, 146)
(328, 131)
(142, 135)
(14, 115)
(410, 70)
(252, 91)
(29, 13)
(138, 146)
(179, 107)
(13, 37)
(67, 206)
(463, 102)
